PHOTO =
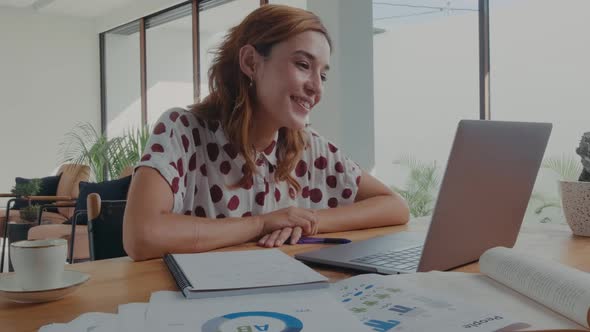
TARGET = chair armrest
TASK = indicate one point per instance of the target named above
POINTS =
(48, 198)
(3, 195)
(73, 234)
(44, 207)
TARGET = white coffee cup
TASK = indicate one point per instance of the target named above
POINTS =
(39, 264)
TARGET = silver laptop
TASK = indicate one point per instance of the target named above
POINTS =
(481, 204)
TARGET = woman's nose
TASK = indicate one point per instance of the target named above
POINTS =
(314, 86)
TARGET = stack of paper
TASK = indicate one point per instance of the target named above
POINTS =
(309, 310)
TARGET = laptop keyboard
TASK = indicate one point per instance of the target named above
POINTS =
(406, 259)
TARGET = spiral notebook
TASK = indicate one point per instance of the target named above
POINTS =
(215, 274)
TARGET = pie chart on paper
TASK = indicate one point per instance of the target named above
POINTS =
(253, 321)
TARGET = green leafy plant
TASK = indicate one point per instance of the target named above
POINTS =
(567, 168)
(107, 158)
(29, 212)
(421, 186)
(30, 188)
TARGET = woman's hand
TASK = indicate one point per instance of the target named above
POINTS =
(278, 237)
(289, 217)
(292, 222)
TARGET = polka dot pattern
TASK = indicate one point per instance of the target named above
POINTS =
(234, 202)
(192, 163)
(185, 143)
(213, 151)
(346, 193)
(157, 147)
(321, 163)
(213, 125)
(196, 137)
(160, 128)
(184, 120)
(270, 148)
(260, 198)
(230, 150)
(200, 212)
(174, 185)
(180, 167)
(216, 193)
(173, 116)
(225, 167)
(333, 202)
(315, 195)
(331, 181)
(202, 167)
(301, 168)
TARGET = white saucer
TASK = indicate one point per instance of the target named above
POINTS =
(71, 280)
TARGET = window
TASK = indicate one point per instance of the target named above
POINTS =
(122, 79)
(212, 30)
(169, 61)
(426, 64)
(540, 72)
(169, 68)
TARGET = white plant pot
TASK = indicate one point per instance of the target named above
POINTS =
(575, 200)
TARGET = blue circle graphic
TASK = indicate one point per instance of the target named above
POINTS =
(292, 324)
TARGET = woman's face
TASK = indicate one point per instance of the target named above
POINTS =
(289, 82)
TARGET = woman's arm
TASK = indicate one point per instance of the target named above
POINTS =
(375, 206)
(151, 230)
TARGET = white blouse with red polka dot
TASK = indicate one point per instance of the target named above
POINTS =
(201, 166)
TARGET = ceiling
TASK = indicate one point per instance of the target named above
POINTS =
(75, 8)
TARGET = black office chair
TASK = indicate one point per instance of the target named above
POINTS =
(105, 227)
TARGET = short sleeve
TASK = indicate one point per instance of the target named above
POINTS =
(164, 152)
(334, 178)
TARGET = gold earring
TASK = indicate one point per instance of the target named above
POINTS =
(251, 81)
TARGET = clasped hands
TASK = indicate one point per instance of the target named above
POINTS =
(287, 224)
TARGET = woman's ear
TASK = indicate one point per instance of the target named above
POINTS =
(248, 59)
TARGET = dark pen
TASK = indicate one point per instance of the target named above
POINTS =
(333, 240)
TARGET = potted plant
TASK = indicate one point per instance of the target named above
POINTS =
(421, 186)
(107, 157)
(28, 214)
(30, 211)
(575, 195)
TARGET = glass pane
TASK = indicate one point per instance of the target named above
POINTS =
(169, 54)
(293, 3)
(123, 82)
(214, 23)
(425, 61)
(540, 72)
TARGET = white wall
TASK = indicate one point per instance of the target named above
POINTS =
(345, 114)
(49, 81)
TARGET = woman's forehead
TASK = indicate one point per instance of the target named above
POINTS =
(309, 44)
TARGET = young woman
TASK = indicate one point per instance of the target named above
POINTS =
(242, 165)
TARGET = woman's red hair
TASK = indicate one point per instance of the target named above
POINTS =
(231, 99)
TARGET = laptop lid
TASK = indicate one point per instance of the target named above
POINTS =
(485, 190)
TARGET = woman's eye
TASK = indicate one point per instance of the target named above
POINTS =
(303, 65)
(324, 77)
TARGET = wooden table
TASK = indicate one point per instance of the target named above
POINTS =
(119, 281)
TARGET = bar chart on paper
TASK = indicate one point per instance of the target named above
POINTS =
(386, 306)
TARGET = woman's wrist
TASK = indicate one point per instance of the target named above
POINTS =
(258, 223)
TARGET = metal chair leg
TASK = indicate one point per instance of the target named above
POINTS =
(5, 237)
